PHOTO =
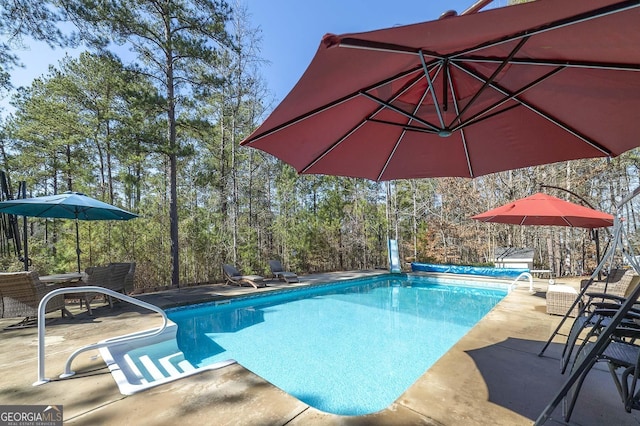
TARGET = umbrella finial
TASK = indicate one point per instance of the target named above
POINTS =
(331, 40)
(448, 14)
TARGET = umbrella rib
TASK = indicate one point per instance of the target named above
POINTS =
(43, 212)
(408, 125)
(399, 111)
(328, 106)
(462, 132)
(362, 122)
(445, 79)
(548, 117)
(412, 116)
(480, 116)
(485, 117)
(390, 156)
(555, 63)
(490, 80)
(356, 43)
(333, 146)
(576, 19)
(432, 90)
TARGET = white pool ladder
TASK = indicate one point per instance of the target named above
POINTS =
(524, 275)
(89, 289)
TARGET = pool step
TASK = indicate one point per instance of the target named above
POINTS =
(173, 365)
(151, 367)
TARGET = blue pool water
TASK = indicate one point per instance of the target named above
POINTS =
(350, 348)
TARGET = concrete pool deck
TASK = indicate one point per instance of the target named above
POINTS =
(491, 376)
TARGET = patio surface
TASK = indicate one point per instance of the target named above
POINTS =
(491, 376)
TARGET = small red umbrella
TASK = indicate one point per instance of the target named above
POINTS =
(517, 86)
(543, 209)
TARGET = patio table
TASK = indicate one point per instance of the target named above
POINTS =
(66, 278)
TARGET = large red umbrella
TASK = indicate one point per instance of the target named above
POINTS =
(517, 86)
(543, 209)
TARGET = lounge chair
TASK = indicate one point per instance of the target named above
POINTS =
(233, 276)
(278, 271)
(605, 296)
(20, 296)
(622, 356)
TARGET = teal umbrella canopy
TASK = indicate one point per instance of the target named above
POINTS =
(68, 205)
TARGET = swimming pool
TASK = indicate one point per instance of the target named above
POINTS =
(350, 348)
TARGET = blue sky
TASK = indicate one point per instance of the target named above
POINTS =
(291, 33)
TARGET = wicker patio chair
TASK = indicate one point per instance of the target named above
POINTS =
(97, 276)
(20, 295)
(129, 280)
(619, 283)
(616, 283)
(120, 273)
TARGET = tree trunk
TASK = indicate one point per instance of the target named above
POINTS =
(173, 172)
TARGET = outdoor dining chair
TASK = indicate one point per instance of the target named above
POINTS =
(96, 276)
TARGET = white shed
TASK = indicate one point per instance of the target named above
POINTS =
(512, 257)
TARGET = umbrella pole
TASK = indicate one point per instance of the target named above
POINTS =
(26, 247)
(22, 193)
(78, 244)
(597, 238)
(476, 7)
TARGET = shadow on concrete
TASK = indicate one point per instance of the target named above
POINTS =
(521, 381)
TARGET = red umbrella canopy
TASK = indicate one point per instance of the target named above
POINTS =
(543, 209)
(517, 86)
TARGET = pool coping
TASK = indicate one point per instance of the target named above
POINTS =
(446, 279)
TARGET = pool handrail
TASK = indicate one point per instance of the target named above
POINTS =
(525, 275)
(90, 289)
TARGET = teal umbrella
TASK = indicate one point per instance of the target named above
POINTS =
(68, 205)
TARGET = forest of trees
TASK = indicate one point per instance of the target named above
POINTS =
(161, 138)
